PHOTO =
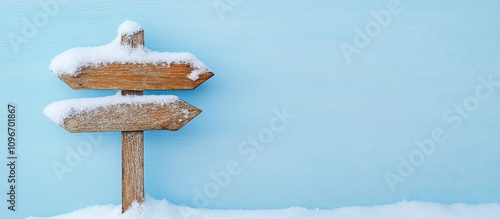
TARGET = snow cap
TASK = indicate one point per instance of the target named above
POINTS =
(129, 27)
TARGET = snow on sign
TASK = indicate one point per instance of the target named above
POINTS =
(127, 65)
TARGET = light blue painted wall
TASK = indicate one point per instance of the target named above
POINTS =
(353, 120)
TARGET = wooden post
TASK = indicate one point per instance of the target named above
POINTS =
(132, 168)
(135, 40)
(132, 145)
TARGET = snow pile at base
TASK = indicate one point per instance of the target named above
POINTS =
(60, 110)
(161, 209)
(72, 61)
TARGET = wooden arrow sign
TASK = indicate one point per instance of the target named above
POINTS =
(126, 65)
(130, 76)
(131, 117)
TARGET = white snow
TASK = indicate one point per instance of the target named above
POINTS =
(60, 110)
(73, 60)
(161, 209)
(129, 27)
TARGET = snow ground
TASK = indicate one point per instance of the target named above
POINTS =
(156, 209)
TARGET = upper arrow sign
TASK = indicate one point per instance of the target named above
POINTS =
(126, 64)
(130, 76)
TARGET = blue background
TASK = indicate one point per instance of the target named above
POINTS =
(353, 120)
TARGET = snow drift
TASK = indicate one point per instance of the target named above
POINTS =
(156, 209)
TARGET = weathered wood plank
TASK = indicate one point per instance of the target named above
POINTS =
(132, 92)
(129, 117)
(130, 76)
(135, 40)
(132, 168)
(132, 145)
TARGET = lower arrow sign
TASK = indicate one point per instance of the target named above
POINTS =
(122, 113)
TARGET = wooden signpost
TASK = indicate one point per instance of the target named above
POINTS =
(132, 119)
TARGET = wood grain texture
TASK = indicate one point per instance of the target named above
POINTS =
(132, 168)
(129, 117)
(132, 143)
(130, 76)
(132, 92)
(135, 40)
